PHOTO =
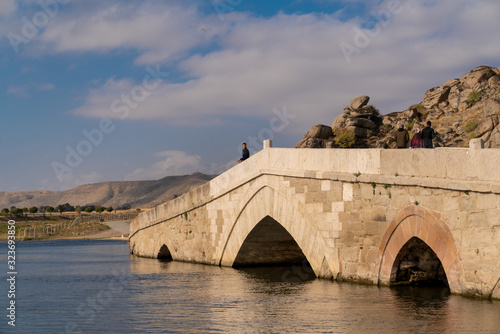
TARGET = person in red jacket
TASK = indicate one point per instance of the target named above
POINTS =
(416, 141)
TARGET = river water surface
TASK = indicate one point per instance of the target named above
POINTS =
(84, 286)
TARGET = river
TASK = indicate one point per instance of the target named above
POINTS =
(85, 286)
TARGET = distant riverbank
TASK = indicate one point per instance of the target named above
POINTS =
(68, 230)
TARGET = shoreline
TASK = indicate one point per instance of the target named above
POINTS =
(118, 230)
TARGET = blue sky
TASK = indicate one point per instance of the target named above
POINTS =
(174, 87)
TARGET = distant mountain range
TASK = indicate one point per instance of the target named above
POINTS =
(135, 194)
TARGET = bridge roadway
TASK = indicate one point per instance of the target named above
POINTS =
(365, 215)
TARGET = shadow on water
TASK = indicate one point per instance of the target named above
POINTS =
(422, 294)
(289, 273)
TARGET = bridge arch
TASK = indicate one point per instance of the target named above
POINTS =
(265, 204)
(415, 223)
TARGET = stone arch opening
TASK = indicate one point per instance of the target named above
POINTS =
(429, 227)
(164, 253)
(269, 244)
(417, 264)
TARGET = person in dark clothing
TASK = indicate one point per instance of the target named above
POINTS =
(401, 137)
(245, 153)
(428, 134)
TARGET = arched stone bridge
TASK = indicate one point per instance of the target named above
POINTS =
(367, 215)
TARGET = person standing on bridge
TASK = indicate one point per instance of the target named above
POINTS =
(428, 134)
(245, 153)
(416, 141)
(401, 137)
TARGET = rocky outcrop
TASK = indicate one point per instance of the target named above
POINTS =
(460, 109)
(320, 136)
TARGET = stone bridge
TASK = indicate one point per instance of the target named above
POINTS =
(366, 215)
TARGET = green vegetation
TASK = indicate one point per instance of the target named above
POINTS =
(89, 209)
(99, 209)
(472, 135)
(357, 174)
(421, 111)
(409, 127)
(33, 209)
(418, 107)
(16, 212)
(466, 192)
(50, 209)
(386, 186)
(376, 112)
(473, 97)
(185, 215)
(385, 127)
(79, 229)
(374, 185)
(345, 138)
(470, 126)
(5, 212)
(109, 208)
(417, 203)
(396, 174)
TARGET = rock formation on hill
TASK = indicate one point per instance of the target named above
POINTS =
(460, 109)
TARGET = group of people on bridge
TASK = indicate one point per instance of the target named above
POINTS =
(420, 139)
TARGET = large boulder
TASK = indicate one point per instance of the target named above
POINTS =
(455, 96)
(477, 75)
(494, 81)
(494, 140)
(359, 132)
(314, 143)
(358, 122)
(451, 83)
(319, 131)
(485, 126)
(435, 95)
(359, 102)
(340, 121)
(491, 107)
(365, 111)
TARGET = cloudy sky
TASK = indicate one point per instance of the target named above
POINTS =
(112, 90)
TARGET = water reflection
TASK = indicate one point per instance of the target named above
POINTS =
(173, 297)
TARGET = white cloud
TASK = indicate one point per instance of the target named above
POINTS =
(18, 91)
(173, 162)
(46, 86)
(7, 7)
(160, 32)
(22, 91)
(295, 60)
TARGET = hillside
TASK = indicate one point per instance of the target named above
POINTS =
(143, 194)
(460, 109)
